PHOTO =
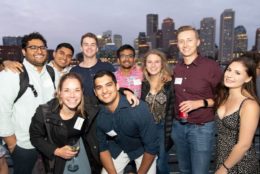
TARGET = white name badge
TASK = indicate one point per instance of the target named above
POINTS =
(111, 133)
(78, 124)
(178, 81)
(137, 82)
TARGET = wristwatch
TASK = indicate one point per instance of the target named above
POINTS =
(205, 103)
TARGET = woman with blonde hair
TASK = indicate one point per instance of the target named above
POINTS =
(58, 128)
(157, 91)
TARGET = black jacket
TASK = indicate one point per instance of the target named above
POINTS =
(48, 114)
(169, 110)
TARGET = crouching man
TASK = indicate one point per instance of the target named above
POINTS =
(124, 133)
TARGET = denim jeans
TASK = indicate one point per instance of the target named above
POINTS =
(24, 160)
(162, 160)
(194, 144)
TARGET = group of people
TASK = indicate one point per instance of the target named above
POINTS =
(94, 107)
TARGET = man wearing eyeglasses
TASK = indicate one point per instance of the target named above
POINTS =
(62, 57)
(128, 75)
(15, 117)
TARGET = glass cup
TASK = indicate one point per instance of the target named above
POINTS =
(75, 146)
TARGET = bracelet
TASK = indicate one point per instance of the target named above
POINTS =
(205, 103)
(228, 170)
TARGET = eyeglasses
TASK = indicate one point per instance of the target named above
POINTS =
(35, 48)
(127, 56)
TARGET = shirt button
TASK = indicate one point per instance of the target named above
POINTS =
(94, 147)
(184, 90)
(188, 67)
(185, 78)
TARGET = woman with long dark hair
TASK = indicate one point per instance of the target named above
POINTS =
(237, 117)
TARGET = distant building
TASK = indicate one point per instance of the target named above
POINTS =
(207, 37)
(173, 51)
(226, 44)
(159, 39)
(143, 47)
(107, 36)
(136, 44)
(240, 41)
(11, 53)
(101, 41)
(152, 28)
(167, 32)
(108, 51)
(117, 40)
(257, 40)
(12, 41)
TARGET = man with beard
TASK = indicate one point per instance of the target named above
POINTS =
(124, 133)
(15, 117)
(61, 61)
(128, 75)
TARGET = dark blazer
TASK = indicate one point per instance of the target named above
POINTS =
(58, 132)
(169, 110)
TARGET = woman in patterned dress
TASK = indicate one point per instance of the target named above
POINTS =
(237, 118)
(157, 91)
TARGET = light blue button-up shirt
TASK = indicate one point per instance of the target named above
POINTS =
(15, 118)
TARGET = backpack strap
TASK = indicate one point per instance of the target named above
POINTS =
(24, 83)
(51, 72)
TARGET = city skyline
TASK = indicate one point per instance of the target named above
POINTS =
(65, 21)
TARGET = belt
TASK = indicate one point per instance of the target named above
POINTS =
(188, 123)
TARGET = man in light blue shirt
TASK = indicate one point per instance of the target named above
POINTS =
(15, 117)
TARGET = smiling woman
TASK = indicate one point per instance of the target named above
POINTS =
(237, 118)
(63, 120)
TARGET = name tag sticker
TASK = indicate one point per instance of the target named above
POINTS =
(78, 124)
(178, 81)
(111, 133)
(137, 82)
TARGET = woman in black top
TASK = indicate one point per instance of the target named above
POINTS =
(62, 122)
(157, 91)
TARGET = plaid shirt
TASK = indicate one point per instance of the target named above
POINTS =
(132, 81)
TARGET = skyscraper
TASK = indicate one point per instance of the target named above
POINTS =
(151, 28)
(107, 36)
(159, 39)
(167, 32)
(240, 41)
(207, 37)
(118, 40)
(257, 40)
(226, 42)
(143, 47)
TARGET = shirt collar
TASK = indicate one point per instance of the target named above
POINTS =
(195, 62)
(31, 67)
(134, 68)
(123, 103)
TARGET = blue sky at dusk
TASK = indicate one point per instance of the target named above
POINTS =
(66, 20)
